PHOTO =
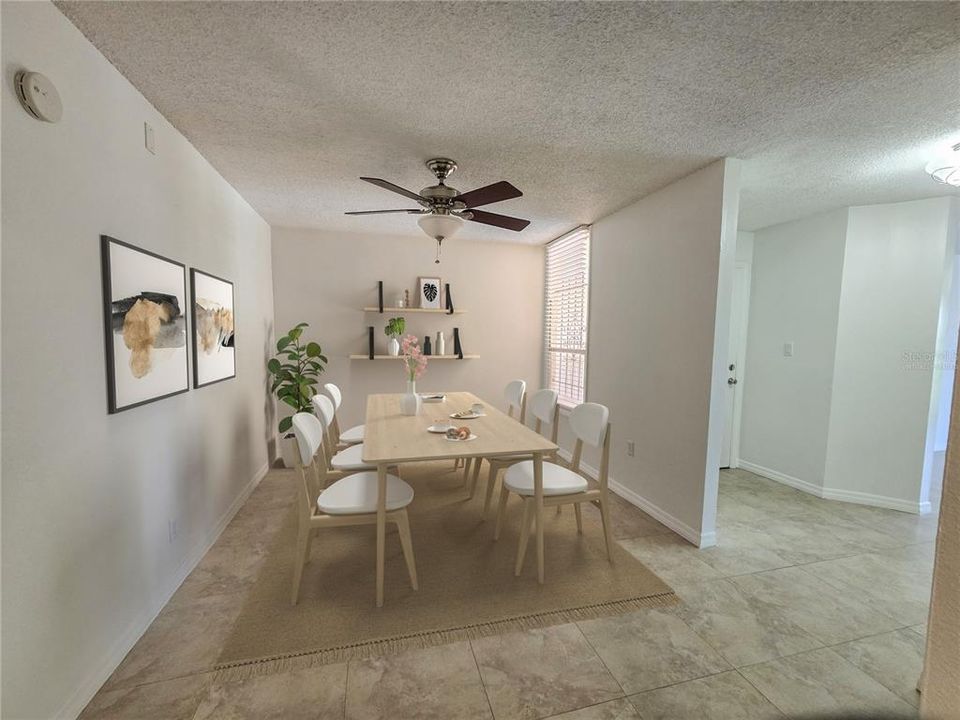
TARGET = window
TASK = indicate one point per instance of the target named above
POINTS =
(565, 326)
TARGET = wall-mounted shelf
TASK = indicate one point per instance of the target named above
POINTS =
(391, 310)
(429, 357)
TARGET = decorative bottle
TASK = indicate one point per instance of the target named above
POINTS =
(441, 346)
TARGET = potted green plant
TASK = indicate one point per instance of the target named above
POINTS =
(393, 330)
(295, 371)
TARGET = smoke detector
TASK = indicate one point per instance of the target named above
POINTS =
(38, 96)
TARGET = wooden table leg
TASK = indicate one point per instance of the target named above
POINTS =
(538, 500)
(381, 528)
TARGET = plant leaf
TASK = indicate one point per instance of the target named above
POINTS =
(291, 401)
(313, 350)
(283, 342)
(273, 366)
(286, 424)
(296, 333)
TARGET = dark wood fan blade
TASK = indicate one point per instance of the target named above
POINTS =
(489, 194)
(387, 185)
(504, 221)
(381, 212)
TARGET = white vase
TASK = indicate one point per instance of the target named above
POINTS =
(393, 346)
(289, 451)
(411, 402)
(441, 347)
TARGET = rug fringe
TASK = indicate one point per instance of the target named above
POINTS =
(244, 669)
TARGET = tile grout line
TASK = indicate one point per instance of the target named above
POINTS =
(483, 685)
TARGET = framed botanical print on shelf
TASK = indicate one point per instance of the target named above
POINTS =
(430, 291)
(214, 353)
(144, 295)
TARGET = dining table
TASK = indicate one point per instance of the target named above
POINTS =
(392, 439)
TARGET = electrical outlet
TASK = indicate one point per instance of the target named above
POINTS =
(631, 448)
(148, 138)
(172, 530)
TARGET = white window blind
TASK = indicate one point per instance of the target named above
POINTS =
(567, 291)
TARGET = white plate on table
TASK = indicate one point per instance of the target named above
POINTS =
(439, 428)
(466, 416)
(466, 439)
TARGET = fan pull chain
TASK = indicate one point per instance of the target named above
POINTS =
(437, 261)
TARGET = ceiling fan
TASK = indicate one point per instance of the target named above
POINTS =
(443, 208)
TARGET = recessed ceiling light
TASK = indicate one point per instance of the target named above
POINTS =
(945, 167)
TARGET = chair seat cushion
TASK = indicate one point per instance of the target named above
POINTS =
(557, 480)
(350, 458)
(353, 435)
(356, 494)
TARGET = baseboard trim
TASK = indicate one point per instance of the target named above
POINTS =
(770, 474)
(827, 493)
(695, 537)
(81, 697)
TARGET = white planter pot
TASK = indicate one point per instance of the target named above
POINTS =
(393, 347)
(289, 452)
(411, 402)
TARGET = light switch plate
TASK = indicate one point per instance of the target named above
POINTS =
(788, 349)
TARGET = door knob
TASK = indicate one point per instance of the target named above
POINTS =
(731, 381)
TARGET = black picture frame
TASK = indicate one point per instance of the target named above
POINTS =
(107, 285)
(193, 322)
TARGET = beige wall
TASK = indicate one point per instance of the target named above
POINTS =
(88, 497)
(324, 278)
(653, 303)
(940, 697)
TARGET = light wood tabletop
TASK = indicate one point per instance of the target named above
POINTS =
(391, 438)
(394, 438)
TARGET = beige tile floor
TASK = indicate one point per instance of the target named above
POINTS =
(805, 606)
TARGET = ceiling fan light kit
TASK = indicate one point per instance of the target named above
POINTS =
(443, 208)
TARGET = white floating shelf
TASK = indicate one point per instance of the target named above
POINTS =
(430, 358)
(391, 310)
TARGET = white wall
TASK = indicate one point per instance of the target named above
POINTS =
(894, 272)
(859, 292)
(87, 496)
(325, 278)
(794, 297)
(653, 315)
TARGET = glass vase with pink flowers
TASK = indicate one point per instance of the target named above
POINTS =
(414, 363)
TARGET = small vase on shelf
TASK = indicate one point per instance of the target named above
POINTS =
(393, 346)
(441, 345)
(411, 402)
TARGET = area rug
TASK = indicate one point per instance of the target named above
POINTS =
(467, 585)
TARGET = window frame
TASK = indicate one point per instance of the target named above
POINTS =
(567, 405)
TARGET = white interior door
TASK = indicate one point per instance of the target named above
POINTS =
(739, 305)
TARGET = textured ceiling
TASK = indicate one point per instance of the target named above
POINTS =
(583, 106)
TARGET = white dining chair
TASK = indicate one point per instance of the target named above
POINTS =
(545, 409)
(336, 500)
(561, 485)
(515, 394)
(349, 458)
(351, 436)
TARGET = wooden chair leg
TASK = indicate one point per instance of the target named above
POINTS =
(491, 483)
(466, 462)
(303, 547)
(526, 524)
(501, 509)
(576, 510)
(475, 477)
(559, 509)
(406, 542)
(605, 516)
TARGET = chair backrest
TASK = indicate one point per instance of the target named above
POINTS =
(334, 392)
(516, 396)
(309, 435)
(323, 408)
(590, 423)
(544, 407)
